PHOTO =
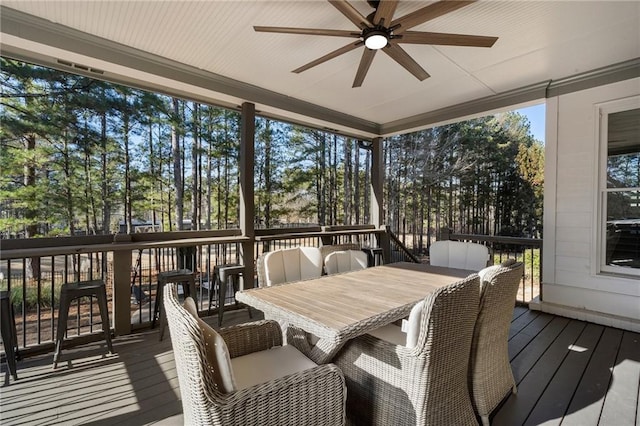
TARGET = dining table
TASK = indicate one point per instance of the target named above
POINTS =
(339, 307)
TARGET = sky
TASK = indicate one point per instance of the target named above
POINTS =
(535, 114)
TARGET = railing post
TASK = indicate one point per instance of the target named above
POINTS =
(384, 241)
(247, 204)
(327, 240)
(122, 287)
(377, 183)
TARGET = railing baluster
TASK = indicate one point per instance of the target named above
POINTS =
(24, 301)
(38, 296)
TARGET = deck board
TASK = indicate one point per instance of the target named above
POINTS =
(533, 375)
(621, 401)
(557, 381)
(553, 403)
(586, 405)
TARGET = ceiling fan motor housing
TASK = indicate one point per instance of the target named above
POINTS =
(376, 37)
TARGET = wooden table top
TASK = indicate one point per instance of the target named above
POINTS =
(332, 304)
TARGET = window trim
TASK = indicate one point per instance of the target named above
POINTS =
(602, 123)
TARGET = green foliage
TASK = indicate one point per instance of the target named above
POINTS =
(481, 176)
(17, 296)
(80, 155)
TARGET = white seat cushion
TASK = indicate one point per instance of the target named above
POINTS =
(345, 261)
(263, 366)
(310, 261)
(294, 264)
(216, 351)
(439, 253)
(458, 254)
(477, 256)
(390, 333)
(485, 273)
(394, 334)
(413, 326)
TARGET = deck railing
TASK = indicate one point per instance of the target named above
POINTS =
(33, 270)
(526, 250)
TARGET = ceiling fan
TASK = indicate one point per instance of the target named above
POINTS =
(379, 31)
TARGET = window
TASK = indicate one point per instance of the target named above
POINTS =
(620, 187)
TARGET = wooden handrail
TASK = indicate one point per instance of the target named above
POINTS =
(532, 242)
(282, 234)
(402, 247)
(116, 246)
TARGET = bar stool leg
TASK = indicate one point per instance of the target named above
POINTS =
(104, 316)
(236, 287)
(63, 315)
(211, 286)
(222, 295)
(192, 290)
(8, 331)
(158, 302)
(162, 316)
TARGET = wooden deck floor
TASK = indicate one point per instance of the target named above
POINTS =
(568, 372)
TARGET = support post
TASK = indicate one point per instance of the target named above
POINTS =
(122, 287)
(377, 196)
(247, 203)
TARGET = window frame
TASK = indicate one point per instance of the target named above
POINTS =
(603, 111)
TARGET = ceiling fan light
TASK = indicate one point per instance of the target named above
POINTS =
(375, 41)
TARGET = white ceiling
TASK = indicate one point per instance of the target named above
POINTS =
(539, 41)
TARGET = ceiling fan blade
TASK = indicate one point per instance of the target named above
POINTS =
(403, 58)
(385, 11)
(351, 13)
(425, 14)
(365, 63)
(331, 55)
(445, 39)
(307, 31)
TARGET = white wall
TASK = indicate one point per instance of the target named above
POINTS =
(571, 284)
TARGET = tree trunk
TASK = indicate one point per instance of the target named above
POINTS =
(177, 166)
(127, 167)
(31, 230)
(195, 170)
(347, 181)
(267, 174)
(356, 184)
(106, 203)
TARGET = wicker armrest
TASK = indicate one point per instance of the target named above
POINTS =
(251, 337)
(312, 397)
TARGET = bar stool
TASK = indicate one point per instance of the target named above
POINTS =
(71, 291)
(9, 334)
(375, 256)
(179, 276)
(222, 274)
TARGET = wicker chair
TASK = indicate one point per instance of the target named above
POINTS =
(491, 378)
(332, 248)
(459, 254)
(265, 279)
(288, 265)
(311, 396)
(426, 384)
(344, 261)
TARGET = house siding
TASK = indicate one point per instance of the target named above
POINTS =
(571, 284)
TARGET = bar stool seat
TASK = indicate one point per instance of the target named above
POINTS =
(179, 276)
(222, 273)
(375, 256)
(71, 291)
(9, 334)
